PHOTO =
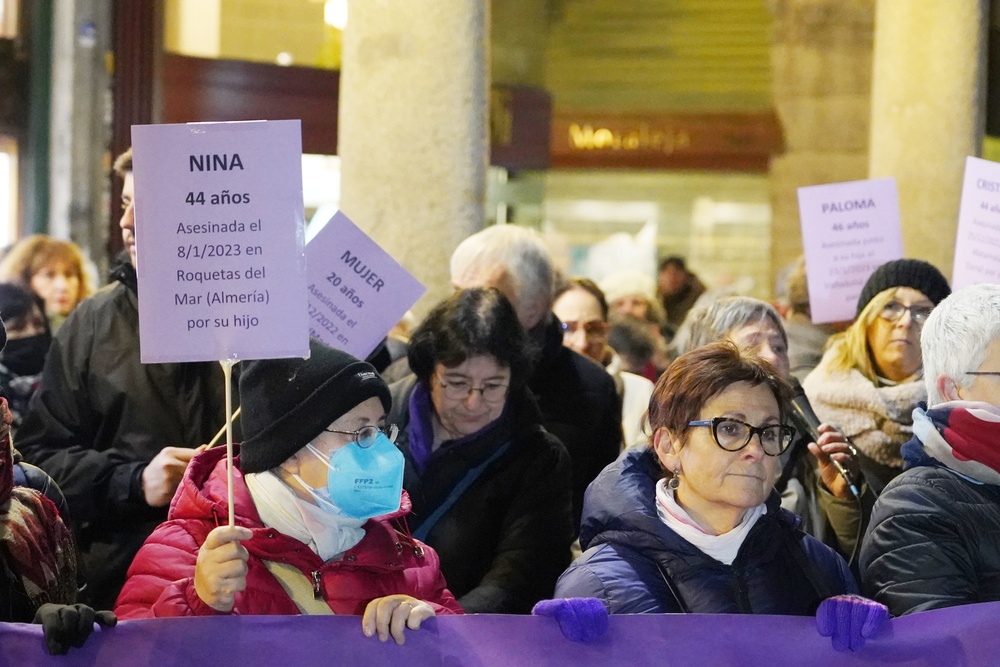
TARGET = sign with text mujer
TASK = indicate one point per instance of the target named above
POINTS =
(848, 231)
(357, 291)
(977, 241)
(220, 238)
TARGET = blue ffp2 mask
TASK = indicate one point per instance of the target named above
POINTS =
(362, 482)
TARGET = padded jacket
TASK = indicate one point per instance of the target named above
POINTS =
(160, 582)
(934, 539)
(635, 564)
(504, 542)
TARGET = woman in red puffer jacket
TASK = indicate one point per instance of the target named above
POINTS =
(319, 511)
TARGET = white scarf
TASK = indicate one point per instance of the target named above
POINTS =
(326, 534)
(722, 548)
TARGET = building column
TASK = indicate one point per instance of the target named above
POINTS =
(413, 132)
(928, 93)
(821, 58)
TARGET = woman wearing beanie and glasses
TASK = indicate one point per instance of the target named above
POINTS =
(692, 523)
(320, 516)
(869, 380)
(491, 488)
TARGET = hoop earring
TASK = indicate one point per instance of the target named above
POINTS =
(675, 481)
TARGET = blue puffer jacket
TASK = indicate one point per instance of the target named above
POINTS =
(637, 565)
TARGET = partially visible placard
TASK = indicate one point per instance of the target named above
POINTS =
(977, 242)
(220, 230)
(848, 230)
(357, 291)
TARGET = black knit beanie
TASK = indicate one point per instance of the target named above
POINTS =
(285, 403)
(914, 273)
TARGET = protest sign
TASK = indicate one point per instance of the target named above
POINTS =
(357, 291)
(220, 241)
(962, 635)
(848, 231)
(977, 242)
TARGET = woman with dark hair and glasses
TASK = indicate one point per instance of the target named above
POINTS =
(692, 523)
(491, 489)
(871, 376)
(320, 516)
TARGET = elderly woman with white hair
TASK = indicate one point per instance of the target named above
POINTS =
(934, 539)
(810, 486)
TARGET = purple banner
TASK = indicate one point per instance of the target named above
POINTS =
(956, 636)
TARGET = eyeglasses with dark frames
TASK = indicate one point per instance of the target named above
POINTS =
(733, 434)
(366, 435)
(892, 311)
(460, 390)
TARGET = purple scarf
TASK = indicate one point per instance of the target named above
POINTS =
(421, 429)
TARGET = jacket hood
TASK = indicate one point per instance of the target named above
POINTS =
(204, 492)
(620, 506)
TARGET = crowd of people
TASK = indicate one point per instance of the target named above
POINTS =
(536, 446)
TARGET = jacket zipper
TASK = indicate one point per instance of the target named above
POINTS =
(317, 585)
(740, 590)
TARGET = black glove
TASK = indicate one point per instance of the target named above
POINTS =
(66, 625)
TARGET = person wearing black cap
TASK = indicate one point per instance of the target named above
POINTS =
(28, 341)
(869, 380)
(318, 503)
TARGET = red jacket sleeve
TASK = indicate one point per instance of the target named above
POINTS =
(160, 580)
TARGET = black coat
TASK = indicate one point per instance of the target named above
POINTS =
(579, 402)
(636, 564)
(581, 406)
(505, 540)
(100, 416)
(934, 539)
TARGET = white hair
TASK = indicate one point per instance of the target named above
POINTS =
(956, 336)
(519, 253)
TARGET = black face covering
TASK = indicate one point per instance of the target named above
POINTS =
(26, 356)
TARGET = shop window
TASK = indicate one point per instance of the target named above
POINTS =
(8, 18)
(8, 191)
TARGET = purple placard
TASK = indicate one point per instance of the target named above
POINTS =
(220, 232)
(977, 243)
(848, 231)
(357, 291)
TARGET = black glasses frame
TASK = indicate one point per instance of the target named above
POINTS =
(787, 433)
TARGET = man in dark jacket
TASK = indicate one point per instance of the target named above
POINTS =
(577, 397)
(114, 433)
(934, 537)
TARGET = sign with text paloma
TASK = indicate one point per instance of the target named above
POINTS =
(220, 237)
(357, 291)
(848, 231)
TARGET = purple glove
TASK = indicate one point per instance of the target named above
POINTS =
(850, 619)
(580, 619)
